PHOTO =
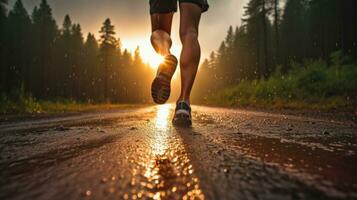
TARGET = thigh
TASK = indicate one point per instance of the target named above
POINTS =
(190, 15)
(161, 21)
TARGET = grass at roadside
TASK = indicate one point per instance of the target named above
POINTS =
(312, 85)
(30, 105)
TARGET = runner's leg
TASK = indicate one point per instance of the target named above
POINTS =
(190, 15)
(161, 30)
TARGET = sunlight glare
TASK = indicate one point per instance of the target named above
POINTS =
(162, 116)
(147, 52)
(156, 60)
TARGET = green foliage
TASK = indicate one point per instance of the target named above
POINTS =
(312, 84)
(27, 104)
(22, 103)
(338, 58)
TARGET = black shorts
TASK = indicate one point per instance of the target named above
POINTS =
(168, 6)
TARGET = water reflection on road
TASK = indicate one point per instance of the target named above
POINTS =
(167, 171)
(162, 117)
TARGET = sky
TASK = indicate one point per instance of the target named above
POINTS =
(132, 21)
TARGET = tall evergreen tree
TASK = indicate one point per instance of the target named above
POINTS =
(107, 49)
(257, 25)
(332, 26)
(126, 62)
(293, 31)
(77, 55)
(142, 81)
(347, 27)
(44, 36)
(91, 71)
(3, 4)
(275, 6)
(18, 36)
(64, 54)
(264, 12)
(67, 26)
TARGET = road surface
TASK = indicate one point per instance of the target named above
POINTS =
(137, 154)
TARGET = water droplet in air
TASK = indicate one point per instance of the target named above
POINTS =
(88, 193)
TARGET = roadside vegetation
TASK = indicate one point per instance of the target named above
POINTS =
(312, 84)
(27, 104)
(299, 55)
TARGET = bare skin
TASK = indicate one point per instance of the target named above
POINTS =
(190, 15)
(161, 30)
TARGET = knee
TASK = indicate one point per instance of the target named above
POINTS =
(189, 34)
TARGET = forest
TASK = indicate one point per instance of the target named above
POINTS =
(293, 50)
(47, 62)
(284, 50)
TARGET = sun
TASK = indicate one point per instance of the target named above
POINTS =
(157, 60)
(147, 52)
(151, 57)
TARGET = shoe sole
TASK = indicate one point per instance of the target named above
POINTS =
(161, 89)
(182, 120)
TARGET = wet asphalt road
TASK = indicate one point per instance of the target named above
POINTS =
(137, 154)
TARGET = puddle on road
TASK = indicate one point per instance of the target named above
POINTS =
(332, 170)
(165, 172)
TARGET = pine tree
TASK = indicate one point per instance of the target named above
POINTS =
(107, 49)
(140, 74)
(293, 32)
(44, 36)
(221, 61)
(3, 4)
(3, 86)
(257, 25)
(18, 36)
(126, 62)
(347, 27)
(274, 5)
(67, 26)
(77, 55)
(91, 71)
(3, 10)
(64, 59)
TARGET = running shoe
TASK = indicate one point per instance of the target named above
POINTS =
(182, 114)
(161, 86)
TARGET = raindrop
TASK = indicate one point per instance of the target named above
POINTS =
(140, 195)
(173, 189)
(125, 196)
(88, 193)
(104, 180)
